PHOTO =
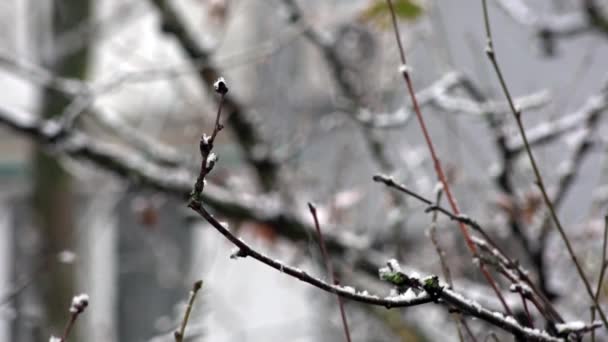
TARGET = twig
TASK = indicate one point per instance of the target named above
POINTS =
(179, 334)
(390, 182)
(332, 276)
(79, 304)
(445, 269)
(433, 236)
(539, 180)
(516, 274)
(592, 319)
(603, 266)
(604, 261)
(568, 172)
(528, 316)
(438, 169)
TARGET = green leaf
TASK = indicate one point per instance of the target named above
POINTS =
(379, 12)
(395, 278)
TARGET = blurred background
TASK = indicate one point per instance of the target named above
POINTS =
(102, 105)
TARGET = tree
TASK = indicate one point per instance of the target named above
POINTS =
(356, 116)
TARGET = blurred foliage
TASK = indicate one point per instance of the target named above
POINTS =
(378, 12)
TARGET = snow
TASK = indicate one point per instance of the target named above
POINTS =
(349, 289)
(66, 257)
(234, 253)
(394, 265)
(211, 159)
(205, 139)
(79, 303)
(570, 326)
(405, 69)
(220, 86)
(408, 295)
(438, 188)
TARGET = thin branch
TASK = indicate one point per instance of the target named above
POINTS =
(521, 282)
(445, 269)
(568, 171)
(330, 269)
(79, 304)
(592, 319)
(433, 236)
(179, 334)
(539, 180)
(604, 261)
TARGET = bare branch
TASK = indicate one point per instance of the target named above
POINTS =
(330, 269)
(179, 334)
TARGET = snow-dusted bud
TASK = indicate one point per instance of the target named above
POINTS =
(211, 160)
(205, 144)
(79, 303)
(220, 86)
(405, 69)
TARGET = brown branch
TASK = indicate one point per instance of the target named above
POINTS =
(445, 269)
(330, 269)
(404, 69)
(79, 304)
(179, 334)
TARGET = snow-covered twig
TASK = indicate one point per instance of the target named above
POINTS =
(576, 328)
(77, 307)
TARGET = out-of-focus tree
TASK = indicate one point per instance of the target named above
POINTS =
(52, 195)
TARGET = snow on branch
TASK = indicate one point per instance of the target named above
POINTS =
(548, 131)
